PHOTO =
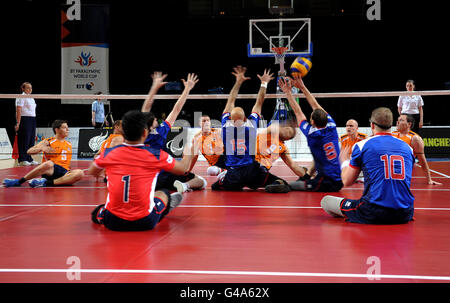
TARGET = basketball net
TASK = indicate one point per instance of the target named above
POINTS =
(283, 114)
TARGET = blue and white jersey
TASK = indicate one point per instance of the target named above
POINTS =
(158, 136)
(324, 146)
(239, 141)
(387, 164)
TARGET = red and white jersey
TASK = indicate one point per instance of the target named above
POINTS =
(132, 174)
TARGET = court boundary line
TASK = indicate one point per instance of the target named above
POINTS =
(224, 272)
(205, 206)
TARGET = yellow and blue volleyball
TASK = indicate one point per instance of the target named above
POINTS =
(301, 66)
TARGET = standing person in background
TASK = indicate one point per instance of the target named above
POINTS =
(98, 113)
(25, 125)
(411, 105)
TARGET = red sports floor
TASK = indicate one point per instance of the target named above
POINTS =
(46, 235)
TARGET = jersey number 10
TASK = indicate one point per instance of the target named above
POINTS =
(390, 172)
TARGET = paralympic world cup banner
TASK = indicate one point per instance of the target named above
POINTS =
(84, 50)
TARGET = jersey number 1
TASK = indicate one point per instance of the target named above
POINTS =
(126, 188)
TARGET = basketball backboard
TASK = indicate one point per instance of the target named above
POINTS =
(293, 33)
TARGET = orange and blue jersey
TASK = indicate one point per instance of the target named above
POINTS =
(131, 191)
(107, 142)
(62, 154)
(211, 145)
(348, 141)
(406, 138)
(268, 149)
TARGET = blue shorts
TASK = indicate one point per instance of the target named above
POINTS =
(357, 211)
(58, 172)
(166, 179)
(252, 176)
(323, 184)
(116, 223)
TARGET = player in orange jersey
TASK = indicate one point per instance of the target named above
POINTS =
(210, 144)
(114, 139)
(405, 123)
(270, 146)
(55, 168)
(352, 136)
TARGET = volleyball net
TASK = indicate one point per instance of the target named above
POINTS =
(341, 106)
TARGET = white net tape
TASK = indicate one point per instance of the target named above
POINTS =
(4, 97)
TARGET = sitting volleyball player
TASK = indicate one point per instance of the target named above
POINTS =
(270, 147)
(405, 123)
(239, 140)
(387, 164)
(133, 168)
(55, 168)
(158, 134)
(209, 142)
(322, 140)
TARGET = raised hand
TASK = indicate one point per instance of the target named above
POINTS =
(158, 80)
(192, 79)
(239, 73)
(266, 77)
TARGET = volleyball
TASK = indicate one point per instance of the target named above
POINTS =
(301, 66)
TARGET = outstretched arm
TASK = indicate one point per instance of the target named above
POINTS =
(286, 87)
(239, 73)
(188, 85)
(298, 82)
(265, 79)
(418, 147)
(158, 82)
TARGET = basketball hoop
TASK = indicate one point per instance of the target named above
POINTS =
(280, 53)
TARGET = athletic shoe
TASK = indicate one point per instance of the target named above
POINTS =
(11, 182)
(34, 163)
(180, 186)
(24, 163)
(98, 214)
(221, 175)
(175, 200)
(279, 186)
(38, 182)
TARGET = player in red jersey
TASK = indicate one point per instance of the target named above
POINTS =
(132, 168)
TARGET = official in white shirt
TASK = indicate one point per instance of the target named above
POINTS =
(25, 125)
(412, 105)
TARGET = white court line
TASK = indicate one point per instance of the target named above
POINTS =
(436, 172)
(223, 272)
(203, 206)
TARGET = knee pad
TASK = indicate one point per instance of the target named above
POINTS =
(332, 205)
(213, 171)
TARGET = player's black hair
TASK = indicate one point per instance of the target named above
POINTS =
(320, 117)
(134, 122)
(57, 124)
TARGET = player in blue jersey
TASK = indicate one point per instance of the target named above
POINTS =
(158, 134)
(387, 164)
(323, 141)
(239, 139)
